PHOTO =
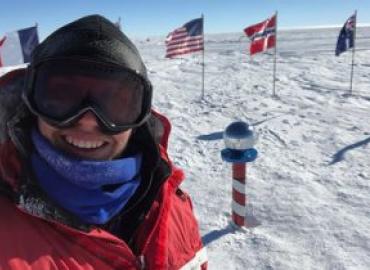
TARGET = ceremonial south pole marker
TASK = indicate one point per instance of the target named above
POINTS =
(239, 140)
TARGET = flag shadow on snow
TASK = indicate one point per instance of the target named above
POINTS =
(214, 136)
(211, 137)
(339, 156)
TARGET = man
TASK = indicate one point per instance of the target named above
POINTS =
(85, 179)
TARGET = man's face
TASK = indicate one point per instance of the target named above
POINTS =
(85, 139)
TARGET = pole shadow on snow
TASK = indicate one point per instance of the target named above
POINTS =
(359, 94)
(216, 234)
(269, 118)
(339, 156)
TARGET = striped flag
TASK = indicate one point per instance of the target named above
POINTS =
(186, 39)
(262, 35)
(16, 47)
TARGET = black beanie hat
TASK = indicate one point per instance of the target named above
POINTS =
(97, 41)
(91, 38)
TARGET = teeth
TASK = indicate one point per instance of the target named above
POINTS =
(84, 144)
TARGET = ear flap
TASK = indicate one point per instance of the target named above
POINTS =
(11, 75)
(160, 128)
(156, 128)
(11, 87)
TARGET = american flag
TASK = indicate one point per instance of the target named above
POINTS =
(262, 35)
(186, 39)
(346, 36)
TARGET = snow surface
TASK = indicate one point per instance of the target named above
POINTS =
(308, 191)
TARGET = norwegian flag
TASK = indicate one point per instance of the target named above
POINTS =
(262, 35)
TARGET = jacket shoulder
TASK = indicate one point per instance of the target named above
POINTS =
(186, 247)
(28, 242)
(169, 238)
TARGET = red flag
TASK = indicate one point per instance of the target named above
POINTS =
(262, 35)
(2, 41)
(1, 44)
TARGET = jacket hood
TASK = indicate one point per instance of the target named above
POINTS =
(91, 38)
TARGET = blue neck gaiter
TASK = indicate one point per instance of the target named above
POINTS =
(77, 185)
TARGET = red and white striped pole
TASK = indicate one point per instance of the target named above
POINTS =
(239, 197)
(239, 140)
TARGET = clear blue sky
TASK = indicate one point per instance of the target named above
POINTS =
(158, 17)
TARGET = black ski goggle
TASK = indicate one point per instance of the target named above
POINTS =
(61, 92)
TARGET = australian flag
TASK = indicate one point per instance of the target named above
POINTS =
(346, 36)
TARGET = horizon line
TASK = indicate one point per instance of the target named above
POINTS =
(313, 27)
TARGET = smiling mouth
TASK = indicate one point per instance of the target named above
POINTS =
(84, 144)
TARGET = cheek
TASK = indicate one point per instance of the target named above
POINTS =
(46, 130)
(121, 140)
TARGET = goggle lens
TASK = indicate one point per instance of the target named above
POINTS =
(116, 96)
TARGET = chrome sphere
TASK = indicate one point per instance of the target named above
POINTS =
(239, 136)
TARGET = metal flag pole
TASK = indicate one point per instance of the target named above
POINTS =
(203, 57)
(353, 52)
(37, 30)
(274, 68)
(240, 47)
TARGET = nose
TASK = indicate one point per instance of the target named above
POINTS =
(88, 122)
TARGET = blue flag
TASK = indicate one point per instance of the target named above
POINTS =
(346, 36)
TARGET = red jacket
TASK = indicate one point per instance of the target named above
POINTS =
(167, 238)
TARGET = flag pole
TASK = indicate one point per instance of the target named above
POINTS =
(203, 58)
(353, 52)
(274, 68)
(37, 29)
